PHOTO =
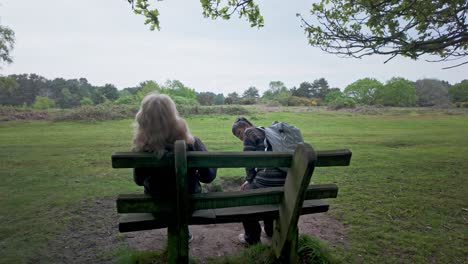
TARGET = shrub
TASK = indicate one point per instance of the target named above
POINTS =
(462, 104)
(98, 112)
(332, 96)
(247, 101)
(313, 250)
(342, 102)
(9, 113)
(314, 102)
(273, 103)
(86, 101)
(126, 100)
(298, 101)
(187, 110)
(42, 102)
(179, 100)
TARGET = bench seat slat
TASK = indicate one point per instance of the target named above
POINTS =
(145, 221)
(212, 159)
(141, 203)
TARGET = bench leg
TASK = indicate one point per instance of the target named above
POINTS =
(177, 244)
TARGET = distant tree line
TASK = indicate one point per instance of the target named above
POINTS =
(32, 90)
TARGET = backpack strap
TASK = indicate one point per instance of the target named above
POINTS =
(265, 142)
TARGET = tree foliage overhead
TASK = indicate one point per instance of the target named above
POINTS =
(211, 8)
(357, 28)
(410, 28)
(7, 41)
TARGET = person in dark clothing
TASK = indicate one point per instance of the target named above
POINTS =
(253, 139)
(162, 180)
(157, 126)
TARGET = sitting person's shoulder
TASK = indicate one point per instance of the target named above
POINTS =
(197, 145)
(254, 132)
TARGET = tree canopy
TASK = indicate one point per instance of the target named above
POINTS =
(396, 92)
(7, 41)
(432, 92)
(363, 90)
(459, 92)
(357, 28)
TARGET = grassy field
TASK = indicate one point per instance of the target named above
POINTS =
(403, 199)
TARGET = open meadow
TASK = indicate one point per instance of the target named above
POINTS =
(403, 199)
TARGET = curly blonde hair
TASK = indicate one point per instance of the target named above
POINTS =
(158, 124)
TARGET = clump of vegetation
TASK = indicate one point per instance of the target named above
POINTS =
(42, 102)
(342, 102)
(313, 250)
(97, 113)
(187, 110)
(9, 113)
(310, 250)
(144, 257)
(461, 104)
(34, 91)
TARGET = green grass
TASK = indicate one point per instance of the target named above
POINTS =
(402, 199)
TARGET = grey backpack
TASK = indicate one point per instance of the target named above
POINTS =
(282, 137)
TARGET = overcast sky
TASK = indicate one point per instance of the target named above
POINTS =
(103, 41)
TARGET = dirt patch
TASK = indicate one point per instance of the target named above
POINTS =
(92, 236)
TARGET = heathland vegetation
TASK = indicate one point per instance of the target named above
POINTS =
(30, 96)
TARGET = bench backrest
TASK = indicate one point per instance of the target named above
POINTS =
(301, 164)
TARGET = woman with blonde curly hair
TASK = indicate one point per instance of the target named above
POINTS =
(157, 126)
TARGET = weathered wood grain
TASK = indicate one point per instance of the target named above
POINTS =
(177, 230)
(285, 235)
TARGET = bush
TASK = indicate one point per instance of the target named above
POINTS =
(179, 100)
(462, 104)
(332, 96)
(9, 113)
(273, 103)
(187, 110)
(86, 101)
(42, 102)
(99, 112)
(342, 102)
(313, 250)
(299, 101)
(126, 100)
(314, 102)
(247, 101)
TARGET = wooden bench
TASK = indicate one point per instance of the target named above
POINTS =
(285, 204)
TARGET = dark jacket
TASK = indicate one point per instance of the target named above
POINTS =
(162, 180)
(254, 140)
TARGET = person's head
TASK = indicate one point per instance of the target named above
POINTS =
(239, 127)
(158, 124)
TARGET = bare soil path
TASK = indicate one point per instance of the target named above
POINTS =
(92, 236)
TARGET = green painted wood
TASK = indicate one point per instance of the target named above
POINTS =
(147, 221)
(211, 159)
(142, 203)
(178, 226)
(285, 235)
(140, 221)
